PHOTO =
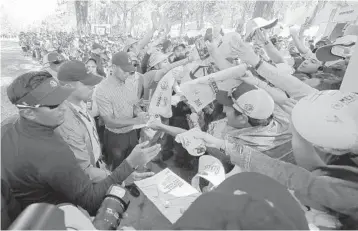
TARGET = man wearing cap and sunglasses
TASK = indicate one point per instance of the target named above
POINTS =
(52, 62)
(39, 165)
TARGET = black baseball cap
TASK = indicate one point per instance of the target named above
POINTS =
(76, 71)
(53, 58)
(97, 46)
(123, 60)
(245, 201)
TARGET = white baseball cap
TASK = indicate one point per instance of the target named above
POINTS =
(328, 119)
(257, 23)
(341, 48)
(249, 100)
(211, 169)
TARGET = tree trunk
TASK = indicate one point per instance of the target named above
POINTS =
(201, 15)
(131, 22)
(125, 16)
(232, 21)
(81, 15)
(263, 9)
(197, 22)
(320, 5)
(182, 23)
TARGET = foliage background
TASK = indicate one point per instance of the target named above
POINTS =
(132, 17)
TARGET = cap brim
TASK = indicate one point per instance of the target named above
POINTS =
(128, 68)
(324, 121)
(267, 25)
(324, 54)
(92, 80)
(223, 98)
(57, 96)
(270, 24)
(60, 62)
(126, 47)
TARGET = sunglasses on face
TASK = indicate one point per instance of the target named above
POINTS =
(51, 107)
(57, 62)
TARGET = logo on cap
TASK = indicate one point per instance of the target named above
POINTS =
(53, 83)
(337, 106)
(248, 108)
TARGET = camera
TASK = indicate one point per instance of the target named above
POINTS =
(43, 216)
(115, 203)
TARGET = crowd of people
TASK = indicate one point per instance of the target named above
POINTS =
(285, 125)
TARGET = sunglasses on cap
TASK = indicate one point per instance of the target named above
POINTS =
(21, 106)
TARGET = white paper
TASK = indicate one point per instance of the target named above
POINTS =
(169, 193)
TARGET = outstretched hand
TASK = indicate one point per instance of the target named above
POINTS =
(142, 154)
(245, 52)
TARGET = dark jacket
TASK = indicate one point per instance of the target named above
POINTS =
(40, 167)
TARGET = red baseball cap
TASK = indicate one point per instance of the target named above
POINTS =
(123, 60)
(249, 100)
(53, 58)
(76, 71)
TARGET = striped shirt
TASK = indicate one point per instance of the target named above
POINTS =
(117, 100)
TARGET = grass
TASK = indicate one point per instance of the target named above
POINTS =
(13, 64)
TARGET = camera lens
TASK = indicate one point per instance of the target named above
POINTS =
(112, 208)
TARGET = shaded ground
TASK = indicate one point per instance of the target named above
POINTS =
(13, 63)
(142, 214)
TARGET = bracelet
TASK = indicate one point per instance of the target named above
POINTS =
(258, 64)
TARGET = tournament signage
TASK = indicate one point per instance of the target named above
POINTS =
(101, 29)
(346, 14)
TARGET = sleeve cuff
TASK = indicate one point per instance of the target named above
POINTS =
(122, 172)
